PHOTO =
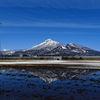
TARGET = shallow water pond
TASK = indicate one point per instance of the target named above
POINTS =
(27, 83)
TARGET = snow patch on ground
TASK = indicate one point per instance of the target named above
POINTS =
(90, 63)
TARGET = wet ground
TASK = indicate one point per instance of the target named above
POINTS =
(49, 84)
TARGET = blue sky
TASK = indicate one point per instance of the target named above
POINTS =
(26, 23)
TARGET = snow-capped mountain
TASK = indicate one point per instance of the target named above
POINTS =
(51, 47)
(47, 44)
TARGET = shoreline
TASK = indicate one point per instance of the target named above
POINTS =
(51, 66)
(87, 64)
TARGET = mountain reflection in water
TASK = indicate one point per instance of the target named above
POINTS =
(30, 83)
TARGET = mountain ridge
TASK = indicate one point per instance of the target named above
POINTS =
(51, 47)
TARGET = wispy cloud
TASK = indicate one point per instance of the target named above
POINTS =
(62, 18)
(65, 4)
(50, 24)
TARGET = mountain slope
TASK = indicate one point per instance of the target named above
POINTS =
(74, 49)
(47, 44)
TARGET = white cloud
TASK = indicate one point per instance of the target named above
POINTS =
(50, 24)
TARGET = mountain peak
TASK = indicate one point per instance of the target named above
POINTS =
(49, 39)
(49, 43)
(74, 45)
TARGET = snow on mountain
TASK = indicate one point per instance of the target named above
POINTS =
(5, 50)
(64, 47)
(75, 45)
(47, 44)
(78, 48)
(72, 44)
(8, 52)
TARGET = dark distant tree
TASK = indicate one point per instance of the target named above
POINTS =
(24, 55)
(80, 58)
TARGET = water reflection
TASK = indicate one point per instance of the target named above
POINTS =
(27, 83)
